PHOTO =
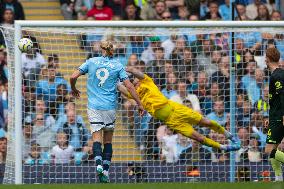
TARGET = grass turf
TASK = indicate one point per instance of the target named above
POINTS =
(247, 185)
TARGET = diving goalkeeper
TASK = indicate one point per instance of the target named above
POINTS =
(176, 116)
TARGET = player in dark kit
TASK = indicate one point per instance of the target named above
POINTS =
(275, 132)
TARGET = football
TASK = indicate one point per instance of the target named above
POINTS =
(25, 45)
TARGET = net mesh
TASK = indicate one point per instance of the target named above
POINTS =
(190, 65)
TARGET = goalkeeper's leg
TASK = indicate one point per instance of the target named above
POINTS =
(188, 131)
(215, 126)
(211, 143)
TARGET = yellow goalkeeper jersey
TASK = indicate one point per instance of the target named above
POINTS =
(151, 97)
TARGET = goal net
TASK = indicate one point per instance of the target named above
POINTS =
(217, 71)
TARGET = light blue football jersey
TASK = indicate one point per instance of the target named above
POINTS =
(103, 76)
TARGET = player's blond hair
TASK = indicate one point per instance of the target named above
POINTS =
(107, 46)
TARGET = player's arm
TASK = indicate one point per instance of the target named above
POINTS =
(130, 88)
(138, 74)
(73, 79)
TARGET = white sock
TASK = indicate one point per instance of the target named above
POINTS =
(279, 178)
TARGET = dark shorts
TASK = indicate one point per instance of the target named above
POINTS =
(275, 132)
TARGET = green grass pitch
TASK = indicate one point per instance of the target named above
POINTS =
(247, 185)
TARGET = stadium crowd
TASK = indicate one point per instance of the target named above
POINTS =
(190, 69)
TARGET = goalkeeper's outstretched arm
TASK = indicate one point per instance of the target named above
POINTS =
(138, 74)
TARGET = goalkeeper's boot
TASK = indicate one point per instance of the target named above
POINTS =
(105, 177)
(230, 136)
(100, 172)
(229, 148)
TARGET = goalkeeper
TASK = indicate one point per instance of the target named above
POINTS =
(176, 116)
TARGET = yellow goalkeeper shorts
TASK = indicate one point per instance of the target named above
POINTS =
(182, 118)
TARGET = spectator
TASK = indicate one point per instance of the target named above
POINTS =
(160, 7)
(183, 13)
(26, 144)
(132, 60)
(219, 115)
(224, 10)
(137, 45)
(3, 114)
(4, 99)
(78, 134)
(195, 154)
(63, 152)
(148, 10)
(62, 119)
(201, 91)
(68, 9)
(117, 6)
(204, 58)
(155, 68)
(62, 98)
(8, 17)
(244, 115)
(193, 7)
(177, 54)
(249, 79)
(186, 64)
(262, 104)
(213, 13)
(35, 155)
(3, 66)
(251, 9)
(262, 13)
(141, 125)
(100, 11)
(47, 87)
(32, 62)
(53, 60)
(169, 147)
(241, 12)
(252, 40)
(43, 134)
(203, 8)
(193, 17)
(222, 77)
(29, 103)
(241, 154)
(82, 7)
(173, 6)
(166, 16)
(183, 95)
(131, 12)
(3, 150)
(275, 15)
(170, 89)
(15, 6)
(40, 108)
(254, 154)
(148, 54)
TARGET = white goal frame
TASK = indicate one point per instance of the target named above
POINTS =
(143, 24)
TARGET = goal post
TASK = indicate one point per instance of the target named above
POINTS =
(49, 29)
